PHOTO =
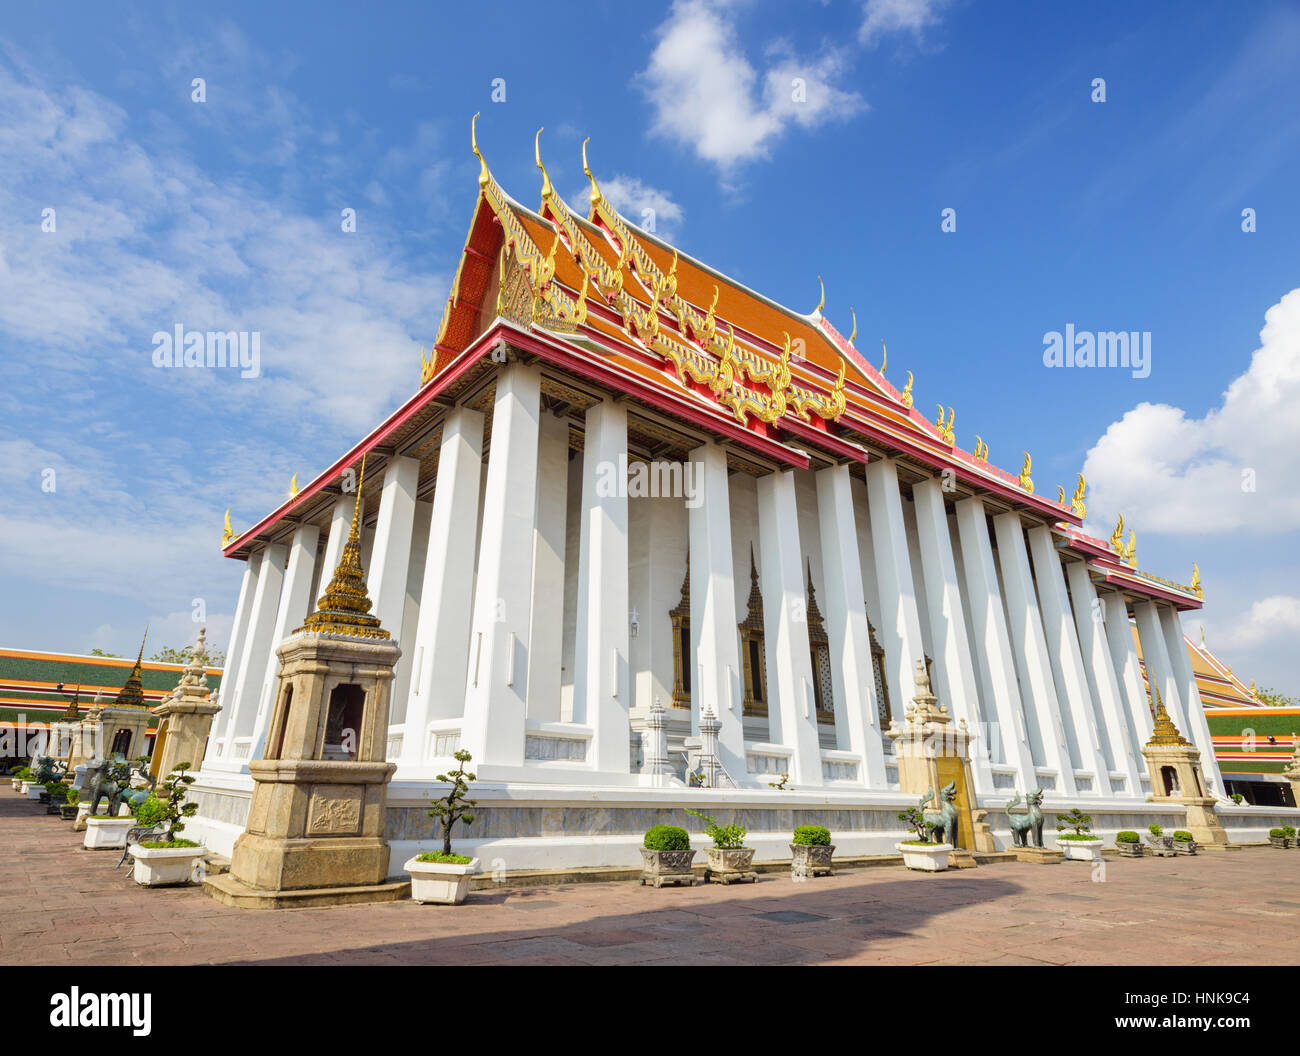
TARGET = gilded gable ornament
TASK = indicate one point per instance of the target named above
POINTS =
(1076, 500)
(1025, 481)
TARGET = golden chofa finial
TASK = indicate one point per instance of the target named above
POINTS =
(1130, 551)
(979, 447)
(547, 189)
(949, 437)
(1117, 536)
(711, 320)
(907, 390)
(1077, 504)
(884, 353)
(1025, 481)
(293, 485)
(1197, 589)
(1060, 495)
(855, 325)
(822, 303)
(484, 177)
(229, 533)
(595, 191)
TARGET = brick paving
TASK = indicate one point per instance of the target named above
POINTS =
(60, 904)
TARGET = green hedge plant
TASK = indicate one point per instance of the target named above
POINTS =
(1155, 830)
(1127, 836)
(812, 836)
(1183, 836)
(1288, 831)
(724, 837)
(667, 838)
(1277, 834)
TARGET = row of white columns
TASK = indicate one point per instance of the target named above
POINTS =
(1047, 675)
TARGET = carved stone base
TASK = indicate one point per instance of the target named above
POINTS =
(959, 858)
(668, 879)
(715, 877)
(271, 863)
(1038, 855)
(231, 892)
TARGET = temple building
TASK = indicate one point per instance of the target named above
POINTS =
(630, 494)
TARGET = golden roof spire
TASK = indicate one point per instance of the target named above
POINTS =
(907, 389)
(547, 189)
(822, 303)
(1197, 589)
(884, 362)
(1164, 731)
(1076, 500)
(595, 191)
(132, 693)
(855, 325)
(1117, 536)
(1130, 551)
(344, 608)
(484, 177)
(229, 532)
(1025, 480)
(293, 485)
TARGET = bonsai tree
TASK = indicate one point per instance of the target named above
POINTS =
(812, 836)
(1127, 836)
(924, 829)
(1078, 824)
(453, 807)
(667, 838)
(167, 806)
(725, 837)
(782, 785)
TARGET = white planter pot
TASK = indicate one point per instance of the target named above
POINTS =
(18, 784)
(443, 884)
(106, 833)
(928, 857)
(33, 790)
(1081, 850)
(159, 866)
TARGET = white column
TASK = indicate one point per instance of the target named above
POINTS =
(547, 621)
(442, 635)
(1128, 670)
(1089, 623)
(791, 699)
(715, 641)
(601, 687)
(391, 555)
(261, 642)
(856, 710)
(1067, 661)
(1199, 734)
(995, 663)
(899, 632)
(1160, 672)
(1030, 648)
(419, 558)
(954, 669)
(340, 526)
(498, 658)
(235, 652)
(295, 604)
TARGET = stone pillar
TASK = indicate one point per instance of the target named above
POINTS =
(657, 764)
(1090, 624)
(390, 562)
(238, 643)
(547, 621)
(493, 731)
(856, 708)
(1030, 647)
(1071, 679)
(295, 605)
(340, 519)
(257, 653)
(1160, 671)
(791, 700)
(954, 669)
(187, 716)
(715, 642)
(1197, 725)
(994, 660)
(601, 688)
(900, 626)
(1128, 668)
(442, 635)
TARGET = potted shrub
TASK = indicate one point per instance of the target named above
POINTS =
(1129, 844)
(666, 856)
(167, 857)
(58, 792)
(19, 776)
(1160, 843)
(1184, 842)
(68, 811)
(1288, 831)
(811, 849)
(1277, 837)
(442, 877)
(1237, 797)
(1079, 843)
(730, 861)
(922, 853)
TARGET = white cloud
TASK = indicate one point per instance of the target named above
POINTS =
(708, 96)
(1269, 620)
(1169, 472)
(643, 205)
(882, 17)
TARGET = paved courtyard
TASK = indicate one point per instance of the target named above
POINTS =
(60, 904)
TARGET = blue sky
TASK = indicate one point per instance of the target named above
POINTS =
(225, 214)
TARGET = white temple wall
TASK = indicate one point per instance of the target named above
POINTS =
(572, 547)
(659, 531)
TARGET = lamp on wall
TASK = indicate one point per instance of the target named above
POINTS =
(634, 624)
